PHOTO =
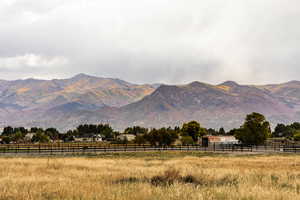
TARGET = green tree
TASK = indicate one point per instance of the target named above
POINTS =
(163, 136)
(255, 130)
(295, 125)
(212, 131)
(282, 130)
(136, 130)
(6, 139)
(140, 139)
(18, 137)
(297, 135)
(40, 137)
(52, 133)
(222, 131)
(193, 129)
(7, 131)
(186, 140)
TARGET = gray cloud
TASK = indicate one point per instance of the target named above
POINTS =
(172, 41)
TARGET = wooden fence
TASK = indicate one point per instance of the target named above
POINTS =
(64, 148)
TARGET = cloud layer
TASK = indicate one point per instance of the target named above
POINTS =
(172, 41)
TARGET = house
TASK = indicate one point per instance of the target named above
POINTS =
(28, 137)
(89, 138)
(128, 137)
(210, 139)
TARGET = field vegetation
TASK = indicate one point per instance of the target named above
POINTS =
(148, 176)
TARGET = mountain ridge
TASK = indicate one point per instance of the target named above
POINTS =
(66, 103)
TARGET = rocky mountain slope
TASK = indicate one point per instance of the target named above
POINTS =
(213, 105)
(25, 100)
(83, 99)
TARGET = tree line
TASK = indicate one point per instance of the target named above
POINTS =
(255, 130)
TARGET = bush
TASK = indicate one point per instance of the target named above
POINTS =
(128, 180)
(190, 179)
(168, 178)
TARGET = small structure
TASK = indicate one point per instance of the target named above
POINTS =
(127, 137)
(210, 139)
(89, 138)
(28, 137)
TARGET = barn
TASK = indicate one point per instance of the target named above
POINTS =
(210, 139)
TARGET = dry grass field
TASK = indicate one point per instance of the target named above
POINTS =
(151, 176)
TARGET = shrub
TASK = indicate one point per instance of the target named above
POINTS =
(128, 180)
(190, 179)
(168, 178)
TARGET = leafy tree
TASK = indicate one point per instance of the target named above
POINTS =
(67, 137)
(7, 131)
(255, 130)
(168, 136)
(40, 137)
(52, 133)
(22, 130)
(153, 137)
(233, 131)
(90, 130)
(163, 136)
(186, 140)
(106, 131)
(297, 135)
(6, 139)
(36, 129)
(222, 131)
(287, 131)
(295, 125)
(18, 137)
(193, 129)
(135, 130)
(282, 130)
(212, 131)
(140, 139)
(177, 129)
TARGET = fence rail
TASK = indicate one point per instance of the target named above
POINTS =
(63, 148)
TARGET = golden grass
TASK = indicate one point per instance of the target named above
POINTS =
(220, 177)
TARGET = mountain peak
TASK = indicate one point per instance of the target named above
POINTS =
(293, 82)
(230, 84)
(82, 75)
(197, 84)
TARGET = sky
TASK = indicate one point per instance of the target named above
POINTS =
(151, 41)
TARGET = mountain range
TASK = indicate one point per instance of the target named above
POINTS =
(66, 103)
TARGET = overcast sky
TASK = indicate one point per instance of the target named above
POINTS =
(147, 41)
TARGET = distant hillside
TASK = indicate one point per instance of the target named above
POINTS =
(30, 98)
(85, 99)
(214, 106)
(32, 93)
